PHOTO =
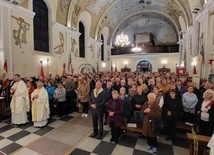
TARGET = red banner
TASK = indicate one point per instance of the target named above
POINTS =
(5, 76)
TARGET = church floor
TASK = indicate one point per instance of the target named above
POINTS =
(71, 136)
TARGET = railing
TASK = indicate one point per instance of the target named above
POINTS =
(147, 49)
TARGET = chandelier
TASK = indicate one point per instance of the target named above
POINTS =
(136, 49)
(122, 39)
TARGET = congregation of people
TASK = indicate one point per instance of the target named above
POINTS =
(116, 99)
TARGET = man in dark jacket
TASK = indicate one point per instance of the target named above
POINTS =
(137, 102)
(97, 102)
(171, 112)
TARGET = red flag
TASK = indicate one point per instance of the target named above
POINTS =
(42, 71)
(63, 71)
(194, 70)
(5, 76)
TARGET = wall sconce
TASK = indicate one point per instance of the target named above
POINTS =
(113, 65)
(164, 62)
(44, 62)
(182, 64)
(193, 63)
(104, 65)
(194, 67)
(72, 28)
(125, 62)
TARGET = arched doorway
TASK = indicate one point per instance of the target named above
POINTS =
(86, 68)
(144, 66)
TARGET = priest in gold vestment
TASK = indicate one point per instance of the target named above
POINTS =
(20, 101)
(40, 106)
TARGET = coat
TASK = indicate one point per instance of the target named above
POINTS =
(84, 91)
(126, 105)
(174, 106)
(154, 114)
(118, 110)
(99, 100)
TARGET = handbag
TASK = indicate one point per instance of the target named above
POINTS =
(55, 103)
(156, 125)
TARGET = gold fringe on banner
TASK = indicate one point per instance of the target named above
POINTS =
(195, 140)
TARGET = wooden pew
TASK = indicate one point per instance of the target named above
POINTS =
(202, 144)
(180, 125)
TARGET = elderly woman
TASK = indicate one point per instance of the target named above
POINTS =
(151, 111)
(60, 96)
(159, 96)
(205, 111)
(115, 109)
(126, 104)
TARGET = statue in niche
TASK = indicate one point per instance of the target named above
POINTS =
(98, 53)
(76, 53)
(91, 47)
(64, 4)
(60, 47)
(20, 35)
(73, 43)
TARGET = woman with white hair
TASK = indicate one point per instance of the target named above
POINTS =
(151, 112)
(205, 111)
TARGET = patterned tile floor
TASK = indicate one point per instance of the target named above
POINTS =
(71, 136)
(131, 144)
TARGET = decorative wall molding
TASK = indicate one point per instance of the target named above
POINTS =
(23, 11)
(60, 26)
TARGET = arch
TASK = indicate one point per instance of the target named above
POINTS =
(41, 26)
(145, 11)
(81, 40)
(116, 1)
(51, 15)
(182, 23)
(144, 66)
(105, 33)
(86, 68)
(85, 18)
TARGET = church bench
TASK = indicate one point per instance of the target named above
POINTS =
(202, 143)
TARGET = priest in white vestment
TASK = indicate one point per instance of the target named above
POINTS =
(20, 101)
(40, 106)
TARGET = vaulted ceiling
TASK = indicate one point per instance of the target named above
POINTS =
(134, 15)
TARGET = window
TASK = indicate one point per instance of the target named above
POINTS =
(102, 48)
(40, 23)
(82, 40)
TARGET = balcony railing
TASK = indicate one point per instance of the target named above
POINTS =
(147, 49)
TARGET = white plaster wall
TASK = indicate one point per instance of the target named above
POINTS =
(156, 61)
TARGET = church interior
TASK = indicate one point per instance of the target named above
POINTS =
(104, 40)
